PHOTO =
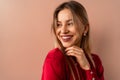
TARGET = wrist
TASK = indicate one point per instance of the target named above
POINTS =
(86, 67)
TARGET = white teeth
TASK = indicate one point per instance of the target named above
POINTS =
(66, 37)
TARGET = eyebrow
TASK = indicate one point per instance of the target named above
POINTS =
(67, 20)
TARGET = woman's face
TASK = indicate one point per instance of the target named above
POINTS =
(66, 30)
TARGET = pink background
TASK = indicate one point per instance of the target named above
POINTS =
(25, 36)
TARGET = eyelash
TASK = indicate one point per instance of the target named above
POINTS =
(58, 25)
(68, 24)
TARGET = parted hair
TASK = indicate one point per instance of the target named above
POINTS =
(79, 15)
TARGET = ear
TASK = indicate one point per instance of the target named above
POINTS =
(86, 28)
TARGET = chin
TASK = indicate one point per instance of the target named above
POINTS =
(67, 45)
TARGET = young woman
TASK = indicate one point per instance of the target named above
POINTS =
(72, 59)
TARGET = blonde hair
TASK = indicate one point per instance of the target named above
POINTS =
(79, 15)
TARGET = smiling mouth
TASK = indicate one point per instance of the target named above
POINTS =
(66, 38)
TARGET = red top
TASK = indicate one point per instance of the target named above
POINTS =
(56, 68)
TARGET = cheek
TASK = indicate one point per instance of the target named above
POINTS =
(80, 32)
(78, 35)
(57, 32)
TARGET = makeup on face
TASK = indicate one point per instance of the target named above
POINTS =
(66, 30)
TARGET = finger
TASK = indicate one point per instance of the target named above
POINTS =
(74, 53)
(71, 54)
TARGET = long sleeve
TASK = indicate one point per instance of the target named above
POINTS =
(95, 73)
(54, 67)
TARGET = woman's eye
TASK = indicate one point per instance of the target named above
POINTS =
(58, 25)
(70, 24)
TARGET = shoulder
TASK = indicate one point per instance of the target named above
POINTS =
(55, 55)
(95, 55)
(54, 65)
(96, 58)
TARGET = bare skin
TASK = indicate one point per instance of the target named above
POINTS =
(80, 56)
(70, 37)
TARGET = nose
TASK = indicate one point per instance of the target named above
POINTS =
(64, 29)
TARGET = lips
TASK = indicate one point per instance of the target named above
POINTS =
(66, 38)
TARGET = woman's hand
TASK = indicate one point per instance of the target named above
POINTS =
(80, 56)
